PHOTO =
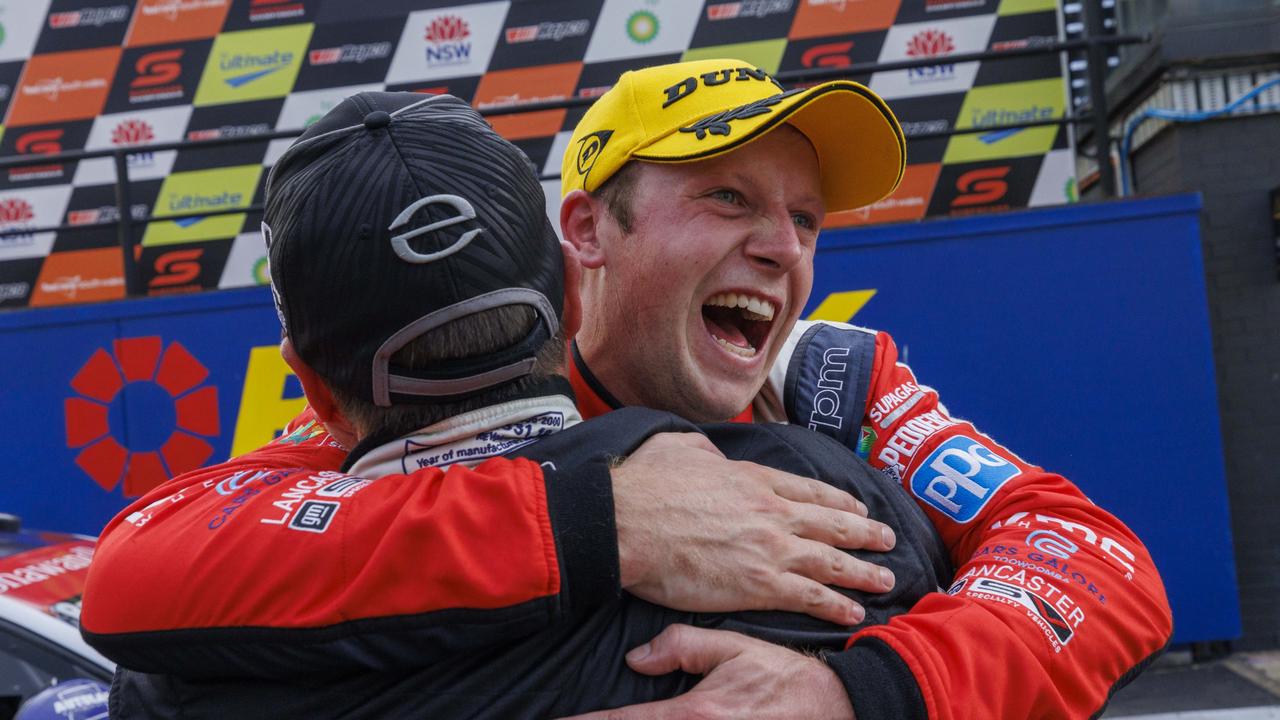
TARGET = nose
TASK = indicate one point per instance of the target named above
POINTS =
(775, 244)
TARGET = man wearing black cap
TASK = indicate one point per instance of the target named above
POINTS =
(423, 298)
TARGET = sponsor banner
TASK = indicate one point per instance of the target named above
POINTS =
(997, 105)
(642, 28)
(188, 192)
(919, 41)
(156, 76)
(1056, 182)
(246, 264)
(1016, 7)
(450, 42)
(301, 109)
(357, 53)
(463, 88)
(527, 85)
(725, 21)
(17, 278)
(39, 140)
(129, 129)
(934, 10)
(253, 65)
(250, 14)
(824, 18)
(80, 276)
(764, 54)
(1017, 32)
(995, 186)
(156, 22)
(544, 33)
(834, 52)
(908, 202)
(97, 203)
(64, 86)
(925, 115)
(22, 23)
(186, 268)
(223, 121)
(84, 24)
(30, 208)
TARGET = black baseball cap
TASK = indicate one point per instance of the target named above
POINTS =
(397, 213)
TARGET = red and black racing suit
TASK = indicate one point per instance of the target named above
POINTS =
(1054, 605)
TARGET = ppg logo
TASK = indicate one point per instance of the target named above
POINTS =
(960, 476)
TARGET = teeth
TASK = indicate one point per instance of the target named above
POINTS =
(754, 308)
(742, 351)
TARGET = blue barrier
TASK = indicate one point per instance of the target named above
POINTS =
(1077, 336)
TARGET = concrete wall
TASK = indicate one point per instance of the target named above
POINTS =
(1235, 163)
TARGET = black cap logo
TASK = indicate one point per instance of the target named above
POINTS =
(400, 243)
(589, 149)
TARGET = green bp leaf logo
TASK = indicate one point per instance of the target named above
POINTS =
(642, 26)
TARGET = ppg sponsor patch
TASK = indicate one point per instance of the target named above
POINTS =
(960, 476)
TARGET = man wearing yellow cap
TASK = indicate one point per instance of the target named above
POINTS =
(694, 193)
(693, 197)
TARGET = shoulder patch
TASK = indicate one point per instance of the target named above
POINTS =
(828, 377)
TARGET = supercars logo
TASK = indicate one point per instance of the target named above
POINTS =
(40, 142)
(177, 267)
(828, 55)
(982, 186)
(142, 455)
(157, 68)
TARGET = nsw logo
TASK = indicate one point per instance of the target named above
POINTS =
(928, 44)
(960, 476)
(447, 42)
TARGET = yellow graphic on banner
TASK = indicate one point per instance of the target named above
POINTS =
(998, 105)
(1019, 7)
(190, 192)
(841, 306)
(253, 64)
(764, 54)
(264, 410)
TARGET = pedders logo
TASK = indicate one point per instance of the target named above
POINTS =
(143, 454)
(447, 36)
(930, 44)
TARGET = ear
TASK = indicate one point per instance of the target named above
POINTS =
(571, 317)
(319, 397)
(581, 215)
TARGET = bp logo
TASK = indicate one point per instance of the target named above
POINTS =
(262, 271)
(141, 414)
(642, 26)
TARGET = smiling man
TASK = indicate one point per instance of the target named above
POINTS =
(693, 197)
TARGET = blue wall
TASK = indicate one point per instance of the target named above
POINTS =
(1076, 336)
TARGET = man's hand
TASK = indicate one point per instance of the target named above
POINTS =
(745, 678)
(700, 533)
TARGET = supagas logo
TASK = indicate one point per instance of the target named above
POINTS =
(447, 43)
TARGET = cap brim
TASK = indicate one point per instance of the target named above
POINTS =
(860, 146)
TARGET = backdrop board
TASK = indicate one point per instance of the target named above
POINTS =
(1077, 336)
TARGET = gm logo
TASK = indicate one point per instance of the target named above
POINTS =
(960, 476)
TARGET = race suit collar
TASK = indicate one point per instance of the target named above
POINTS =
(471, 438)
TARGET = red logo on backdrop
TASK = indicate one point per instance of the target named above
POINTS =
(157, 68)
(981, 186)
(40, 142)
(177, 267)
(930, 43)
(142, 373)
(14, 211)
(447, 28)
(828, 55)
(132, 132)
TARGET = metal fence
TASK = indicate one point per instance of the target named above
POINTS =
(1095, 44)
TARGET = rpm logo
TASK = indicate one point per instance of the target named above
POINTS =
(983, 186)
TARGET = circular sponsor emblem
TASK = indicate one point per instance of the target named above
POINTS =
(642, 26)
(262, 271)
(589, 150)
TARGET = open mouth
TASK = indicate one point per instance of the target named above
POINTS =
(740, 323)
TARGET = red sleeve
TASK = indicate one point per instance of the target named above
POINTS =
(266, 565)
(1055, 601)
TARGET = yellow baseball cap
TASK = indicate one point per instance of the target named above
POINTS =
(691, 111)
